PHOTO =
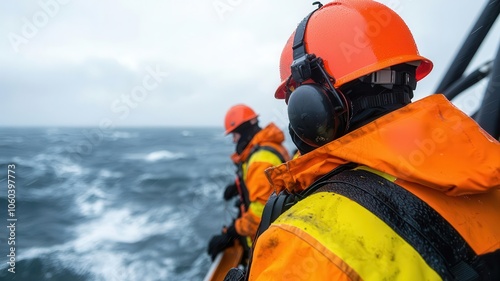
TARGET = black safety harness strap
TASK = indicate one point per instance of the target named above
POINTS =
(439, 244)
(279, 203)
(242, 187)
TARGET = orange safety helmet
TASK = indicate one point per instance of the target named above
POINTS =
(236, 116)
(354, 38)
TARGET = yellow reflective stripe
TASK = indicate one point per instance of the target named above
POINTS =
(244, 170)
(261, 156)
(369, 246)
(257, 208)
(265, 156)
(382, 174)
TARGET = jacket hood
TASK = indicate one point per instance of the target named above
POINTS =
(429, 142)
(270, 134)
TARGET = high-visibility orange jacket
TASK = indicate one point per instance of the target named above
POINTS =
(253, 161)
(428, 148)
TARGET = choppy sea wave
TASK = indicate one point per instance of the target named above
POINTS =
(135, 204)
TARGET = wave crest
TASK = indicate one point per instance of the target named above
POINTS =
(164, 155)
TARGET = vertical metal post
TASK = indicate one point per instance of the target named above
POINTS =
(471, 44)
(488, 115)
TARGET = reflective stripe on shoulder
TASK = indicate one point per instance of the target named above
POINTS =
(257, 208)
(368, 245)
(267, 156)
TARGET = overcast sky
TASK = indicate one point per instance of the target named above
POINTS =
(179, 63)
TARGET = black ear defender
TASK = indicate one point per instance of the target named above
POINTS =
(318, 113)
(312, 115)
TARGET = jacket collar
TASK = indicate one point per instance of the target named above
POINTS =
(428, 142)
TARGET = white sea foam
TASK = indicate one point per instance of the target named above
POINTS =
(73, 169)
(44, 162)
(119, 225)
(62, 166)
(119, 233)
(92, 201)
(38, 166)
(163, 155)
(93, 251)
(109, 174)
(160, 155)
(101, 263)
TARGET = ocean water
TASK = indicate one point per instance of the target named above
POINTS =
(127, 204)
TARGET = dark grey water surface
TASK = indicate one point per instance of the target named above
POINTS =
(128, 204)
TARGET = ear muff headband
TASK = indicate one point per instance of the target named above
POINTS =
(318, 113)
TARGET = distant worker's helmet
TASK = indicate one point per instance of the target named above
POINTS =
(236, 116)
(354, 38)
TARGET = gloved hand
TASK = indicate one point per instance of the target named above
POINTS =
(220, 242)
(230, 191)
(237, 203)
(235, 274)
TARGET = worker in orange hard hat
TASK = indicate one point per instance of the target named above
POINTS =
(256, 150)
(384, 188)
